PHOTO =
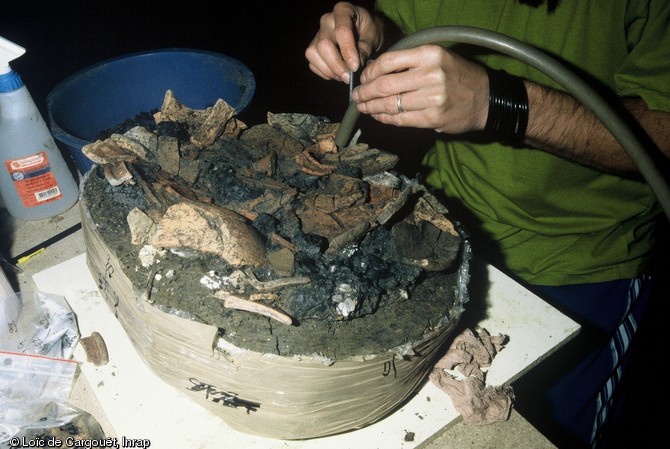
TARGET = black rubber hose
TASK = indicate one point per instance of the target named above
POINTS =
(537, 59)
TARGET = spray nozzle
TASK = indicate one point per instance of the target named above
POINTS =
(9, 51)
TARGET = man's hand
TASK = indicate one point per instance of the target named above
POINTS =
(439, 90)
(346, 38)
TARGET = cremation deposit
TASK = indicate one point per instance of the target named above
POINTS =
(286, 243)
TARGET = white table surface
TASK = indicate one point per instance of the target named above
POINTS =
(140, 405)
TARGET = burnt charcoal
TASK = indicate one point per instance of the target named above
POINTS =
(414, 242)
(375, 269)
(150, 172)
(312, 245)
(290, 228)
(326, 282)
(288, 168)
(376, 243)
(447, 246)
(189, 152)
(127, 197)
(178, 130)
(424, 242)
(403, 275)
(308, 265)
(308, 303)
(289, 223)
(227, 155)
(369, 305)
(263, 273)
(303, 182)
(437, 289)
(144, 119)
(389, 282)
(227, 188)
(349, 170)
(390, 272)
(265, 223)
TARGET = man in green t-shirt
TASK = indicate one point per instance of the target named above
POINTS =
(549, 194)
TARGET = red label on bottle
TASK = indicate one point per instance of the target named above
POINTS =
(33, 179)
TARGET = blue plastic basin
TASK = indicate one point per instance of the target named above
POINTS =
(103, 95)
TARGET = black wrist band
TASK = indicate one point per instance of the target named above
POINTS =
(508, 107)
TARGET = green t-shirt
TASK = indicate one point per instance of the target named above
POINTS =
(555, 222)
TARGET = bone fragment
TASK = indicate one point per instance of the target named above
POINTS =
(263, 297)
(325, 144)
(283, 242)
(95, 349)
(116, 173)
(275, 284)
(238, 303)
(394, 206)
(433, 213)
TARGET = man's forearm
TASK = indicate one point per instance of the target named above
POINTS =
(561, 125)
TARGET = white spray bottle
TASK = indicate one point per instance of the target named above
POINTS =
(35, 181)
(6, 289)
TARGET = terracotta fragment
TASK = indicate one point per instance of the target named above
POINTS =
(300, 126)
(370, 161)
(308, 164)
(265, 136)
(105, 151)
(188, 170)
(145, 137)
(214, 124)
(141, 226)
(210, 229)
(131, 145)
(320, 223)
(167, 153)
(206, 125)
(95, 349)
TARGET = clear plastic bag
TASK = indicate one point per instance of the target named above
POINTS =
(38, 323)
(49, 424)
(38, 334)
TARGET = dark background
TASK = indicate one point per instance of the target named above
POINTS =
(62, 37)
